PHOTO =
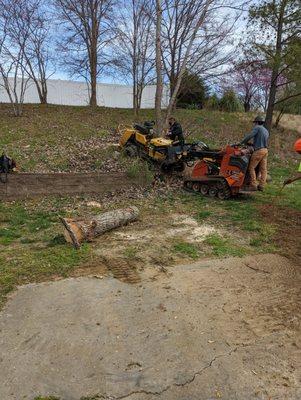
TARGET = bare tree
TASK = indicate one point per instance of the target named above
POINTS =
(12, 60)
(134, 45)
(87, 32)
(192, 29)
(159, 83)
(193, 34)
(30, 30)
(38, 53)
(15, 80)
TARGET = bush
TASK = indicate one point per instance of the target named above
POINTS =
(213, 102)
(229, 102)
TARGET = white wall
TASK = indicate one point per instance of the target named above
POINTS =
(76, 94)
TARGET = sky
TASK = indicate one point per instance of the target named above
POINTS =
(109, 79)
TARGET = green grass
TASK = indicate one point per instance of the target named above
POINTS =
(57, 398)
(203, 214)
(222, 247)
(289, 196)
(32, 247)
(46, 398)
(50, 139)
(138, 170)
(130, 252)
(187, 249)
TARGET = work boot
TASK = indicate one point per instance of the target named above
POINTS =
(260, 188)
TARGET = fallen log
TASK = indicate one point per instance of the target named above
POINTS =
(77, 231)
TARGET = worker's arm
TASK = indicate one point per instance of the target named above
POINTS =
(249, 136)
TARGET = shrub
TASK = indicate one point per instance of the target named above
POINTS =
(213, 102)
(229, 102)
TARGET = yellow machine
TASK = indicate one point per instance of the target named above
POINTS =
(139, 141)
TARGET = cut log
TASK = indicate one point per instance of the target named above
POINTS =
(80, 230)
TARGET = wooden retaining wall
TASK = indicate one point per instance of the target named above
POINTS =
(26, 185)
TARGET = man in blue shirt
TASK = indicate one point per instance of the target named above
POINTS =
(260, 138)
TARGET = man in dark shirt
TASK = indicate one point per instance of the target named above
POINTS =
(175, 131)
(260, 138)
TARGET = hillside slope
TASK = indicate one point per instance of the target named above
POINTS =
(61, 138)
(289, 121)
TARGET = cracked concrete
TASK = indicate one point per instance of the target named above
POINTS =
(183, 384)
(211, 330)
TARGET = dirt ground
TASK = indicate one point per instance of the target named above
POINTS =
(216, 329)
(289, 228)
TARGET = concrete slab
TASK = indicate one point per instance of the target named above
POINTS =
(215, 329)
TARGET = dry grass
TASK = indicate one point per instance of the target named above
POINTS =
(289, 121)
(61, 138)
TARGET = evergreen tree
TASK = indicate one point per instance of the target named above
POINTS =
(229, 102)
(193, 92)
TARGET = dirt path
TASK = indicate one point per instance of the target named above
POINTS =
(218, 329)
(26, 185)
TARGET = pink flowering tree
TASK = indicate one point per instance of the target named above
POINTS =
(251, 79)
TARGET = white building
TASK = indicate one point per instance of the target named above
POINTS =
(76, 94)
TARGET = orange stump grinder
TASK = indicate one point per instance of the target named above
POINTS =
(220, 173)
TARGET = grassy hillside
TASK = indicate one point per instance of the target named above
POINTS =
(289, 121)
(60, 138)
(55, 138)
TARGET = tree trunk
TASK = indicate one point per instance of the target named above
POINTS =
(272, 98)
(139, 100)
(93, 98)
(280, 114)
(78, 231)
(43, 93)
(275, 71)
(247, 105)
(181, 73)
(43, 97)
(93, 63)
(159, 87)
(43, 100)
(135, 97)
(135, 62)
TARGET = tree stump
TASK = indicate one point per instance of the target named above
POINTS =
(80, 230)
